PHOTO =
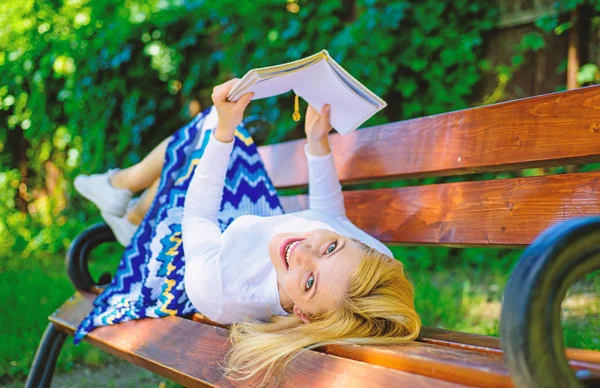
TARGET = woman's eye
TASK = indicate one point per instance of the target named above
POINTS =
(311, 281)
(329, 249)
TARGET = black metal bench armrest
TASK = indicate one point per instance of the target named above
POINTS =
(530, 324)
(78, 254)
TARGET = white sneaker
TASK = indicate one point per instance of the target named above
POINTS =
(97, 188)
(121, 227)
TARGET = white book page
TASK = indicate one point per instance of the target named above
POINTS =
(355, 87)
(322, 86)
(274, 86)
(350, 79)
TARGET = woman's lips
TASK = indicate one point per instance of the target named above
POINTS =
(282, 250)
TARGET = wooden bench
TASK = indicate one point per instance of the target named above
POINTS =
(550, 130)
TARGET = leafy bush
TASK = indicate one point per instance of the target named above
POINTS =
(91, 85)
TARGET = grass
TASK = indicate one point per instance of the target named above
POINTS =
(469, 297)
(462, 293)
(31, 289)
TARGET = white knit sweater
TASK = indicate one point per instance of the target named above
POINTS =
(229, 276)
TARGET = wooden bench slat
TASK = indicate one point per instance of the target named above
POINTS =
(507, 136)
(499, 213)
(455, 364)
(189, 353)
(578, 358)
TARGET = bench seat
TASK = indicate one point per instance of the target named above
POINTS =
(188, 352)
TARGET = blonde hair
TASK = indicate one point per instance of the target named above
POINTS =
(377, 309)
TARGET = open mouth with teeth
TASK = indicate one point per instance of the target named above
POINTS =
(286, 250)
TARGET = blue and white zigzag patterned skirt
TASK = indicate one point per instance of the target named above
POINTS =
(149, 279)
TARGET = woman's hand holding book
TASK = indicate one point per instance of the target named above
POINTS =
(317, 128)
(317, 79)
(230, 113)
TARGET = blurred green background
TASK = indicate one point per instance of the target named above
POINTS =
(90, 85)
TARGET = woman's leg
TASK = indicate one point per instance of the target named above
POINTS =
(143, 174)
(136, 214)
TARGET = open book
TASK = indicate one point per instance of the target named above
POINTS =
(319, 80)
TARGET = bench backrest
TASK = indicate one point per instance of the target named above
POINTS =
(551, 130)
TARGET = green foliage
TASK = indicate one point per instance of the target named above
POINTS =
(588, 73)
(530, 42)
(558, 23)
(89, 85)
(554, 23)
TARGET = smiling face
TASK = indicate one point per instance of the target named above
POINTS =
(320, 264)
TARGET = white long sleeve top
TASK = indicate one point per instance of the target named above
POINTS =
(229, 276)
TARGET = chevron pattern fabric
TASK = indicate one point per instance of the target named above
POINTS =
(149, 280)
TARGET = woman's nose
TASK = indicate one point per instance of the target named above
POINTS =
(305, 254)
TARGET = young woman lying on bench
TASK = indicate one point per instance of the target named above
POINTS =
(209, 235)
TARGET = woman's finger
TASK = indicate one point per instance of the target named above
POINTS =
(221, 91)
(324, 118)
(243, 102)
(325, 112)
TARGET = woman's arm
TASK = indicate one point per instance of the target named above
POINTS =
(200, 225)
(324, 188)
